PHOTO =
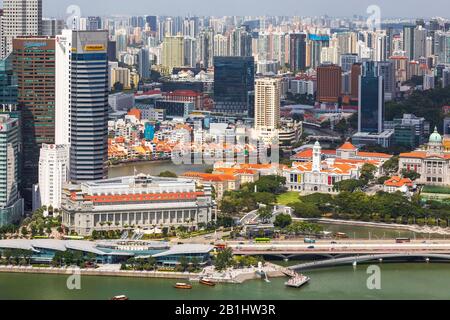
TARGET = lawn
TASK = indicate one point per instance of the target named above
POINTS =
(288, 197)
(436, 189)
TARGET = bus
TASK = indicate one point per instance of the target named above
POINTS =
(403, 240)
(220, 246)
(262, 240)
(73, 238)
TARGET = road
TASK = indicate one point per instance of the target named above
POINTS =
(347, 247)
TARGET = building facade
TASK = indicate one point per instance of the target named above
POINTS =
(11, 204)
(34, 65)
(233, 80)
(20, 18)
(127, 202)
(432, 162)
(82, 101)
(53, 174)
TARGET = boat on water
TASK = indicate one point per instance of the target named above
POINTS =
(207, 282)
(183, 286)
(120, 298)
(298, 281)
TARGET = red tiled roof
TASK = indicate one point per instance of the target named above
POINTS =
(347, 146)
(142, 197)
(398, 182)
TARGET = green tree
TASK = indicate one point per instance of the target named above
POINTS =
(283, 220)
(410, 174)
(368, 172)
(265, 213)
(306, 210)
(168, 174)
(224, 259)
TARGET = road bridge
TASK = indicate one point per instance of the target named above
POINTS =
(368, 258)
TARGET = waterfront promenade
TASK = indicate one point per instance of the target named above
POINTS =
(233, 276)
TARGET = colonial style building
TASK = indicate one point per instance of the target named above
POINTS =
(321, 175)
(432, 162)
(139, 201)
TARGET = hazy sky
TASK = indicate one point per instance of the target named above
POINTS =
(389, 8)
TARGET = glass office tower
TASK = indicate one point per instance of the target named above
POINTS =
(234, 79)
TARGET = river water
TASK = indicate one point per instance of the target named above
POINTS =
(154, 168)
(398, 281)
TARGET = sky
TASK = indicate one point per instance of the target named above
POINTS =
(389, 8)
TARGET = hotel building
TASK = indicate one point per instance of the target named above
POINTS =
(140, 201)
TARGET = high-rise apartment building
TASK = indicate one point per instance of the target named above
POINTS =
(82, 101)
(34, 65)
(52, 27)
(267, 104)
(172, 53)
(233, 80)
(20, 18)
(144, 63)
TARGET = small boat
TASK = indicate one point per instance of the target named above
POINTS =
(207, 282)
(120, 298)
(183, 286)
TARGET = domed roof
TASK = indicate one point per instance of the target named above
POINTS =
(435, 137)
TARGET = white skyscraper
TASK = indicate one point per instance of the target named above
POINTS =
(20, 18)
(53, 173)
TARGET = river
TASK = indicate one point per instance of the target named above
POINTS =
(398, 281)
(154, 168)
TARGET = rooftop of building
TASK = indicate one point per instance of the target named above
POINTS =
(398, 182)
(186, 249)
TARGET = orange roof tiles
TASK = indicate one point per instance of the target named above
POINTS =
(347, 146)
(398, 182)
(374, 155)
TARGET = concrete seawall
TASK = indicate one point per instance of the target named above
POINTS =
(89, 272)
(240, 278)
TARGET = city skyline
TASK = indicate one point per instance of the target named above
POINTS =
(389, 9)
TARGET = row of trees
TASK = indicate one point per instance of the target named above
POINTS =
(16, 256)
(70, 258)
(388, 207)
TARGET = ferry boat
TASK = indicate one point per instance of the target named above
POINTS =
(120, 298)
(207, 282)
(183, 286)
(298, 281)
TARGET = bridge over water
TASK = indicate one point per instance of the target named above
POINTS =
(369, 258)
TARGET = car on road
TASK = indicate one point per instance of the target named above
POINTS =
(311, 247)
(333, 242)
(241, 243)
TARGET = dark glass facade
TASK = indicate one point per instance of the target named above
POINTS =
(297, 52)
(34, 65)
(8, 82)
(234, 78)
(371, 100)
